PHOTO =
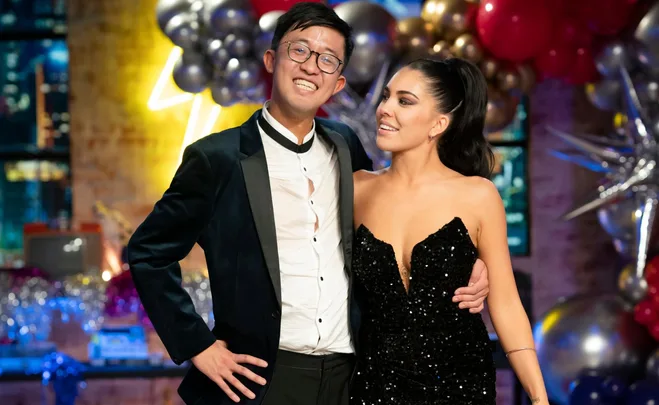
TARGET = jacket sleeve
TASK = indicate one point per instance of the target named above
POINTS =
(360, 159)
(165, 237)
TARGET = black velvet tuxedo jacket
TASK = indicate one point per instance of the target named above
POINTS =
(220, 198)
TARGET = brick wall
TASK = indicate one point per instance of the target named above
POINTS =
(124, 155)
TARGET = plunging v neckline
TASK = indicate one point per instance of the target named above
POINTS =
(401, 281)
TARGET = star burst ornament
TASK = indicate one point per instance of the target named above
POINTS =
(359, 113)
(630, 168)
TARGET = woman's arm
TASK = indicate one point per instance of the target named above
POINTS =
(506, 311)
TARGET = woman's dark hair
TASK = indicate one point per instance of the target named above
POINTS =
(460, 89)
(305, 15)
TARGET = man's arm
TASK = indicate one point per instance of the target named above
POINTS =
(165, 237)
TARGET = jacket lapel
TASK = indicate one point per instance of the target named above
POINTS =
(345, 188)
(257, 183)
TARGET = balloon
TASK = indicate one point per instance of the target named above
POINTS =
(467, 46)
(262, 7)
(583, 70)
(613, 388)
(604, 17)
(441, 50)
(489, 67)
(243, 74)
(614, 56)
(572, 32)
(619, 219)
(643, 392)
(587, 390)
(267, 25)
(652, 271)
(183, 30)
(605, 95)
(238, 45)
(633, 288)
(449, 18)
(514, 30)
(647, 34)
(645, 314)
(217, 53)
(596, 332)
(222, 94)
(501, 109)
(223, 17)
(415, 36)
(652, 366)
(167, 9)
(374, 30)
(555, 60)
(191, 73)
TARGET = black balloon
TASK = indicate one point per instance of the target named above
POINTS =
(191, 73)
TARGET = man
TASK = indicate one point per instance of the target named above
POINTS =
(270, 203)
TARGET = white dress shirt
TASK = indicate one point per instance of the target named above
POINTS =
(314, 284)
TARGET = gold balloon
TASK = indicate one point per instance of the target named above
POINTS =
(468, 47)
(508, 79)
(527, 78)
(490, 68)
(448, 17)
(501, 109)
(414, 37)
(441, 50)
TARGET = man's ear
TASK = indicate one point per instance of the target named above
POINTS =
(269, 60)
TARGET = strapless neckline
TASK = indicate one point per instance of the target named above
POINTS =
(456, 221)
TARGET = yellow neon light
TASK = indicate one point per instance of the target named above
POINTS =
(203, 109)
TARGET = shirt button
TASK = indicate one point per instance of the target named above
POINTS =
(314, 239)
(304, 168)
(322, 279)
(311, 202)
(320, 320)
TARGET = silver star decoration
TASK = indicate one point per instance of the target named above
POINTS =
(359, 113)
(629, 166)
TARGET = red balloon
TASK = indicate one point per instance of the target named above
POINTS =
(263, 6)
(571, 31)
(605, 17)
(645, 314)
(583, 70)
(652, 271)
(514, 30)
(555, 61)
(654, 330)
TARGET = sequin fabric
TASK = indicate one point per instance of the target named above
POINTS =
(417, 347)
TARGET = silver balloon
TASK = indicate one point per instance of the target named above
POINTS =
(267, 25)
(648, 91)
(619, 220)
(243, 74)
(168, 9)
(183, 30)
(614, 55)
(374, 29)
(191, 73)
(632, 287)
(647, 33)
(217, 53)
(226, 16)
(238, 45)
(606, 94)
(589, 332)
(223, 94)
(652, 367)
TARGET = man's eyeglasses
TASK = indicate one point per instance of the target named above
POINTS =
(301, 53)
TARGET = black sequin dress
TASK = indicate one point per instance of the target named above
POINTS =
(418, 347)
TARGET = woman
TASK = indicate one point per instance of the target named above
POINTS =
(421, 224)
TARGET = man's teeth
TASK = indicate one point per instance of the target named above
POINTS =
(305, 84)
(387, 128)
